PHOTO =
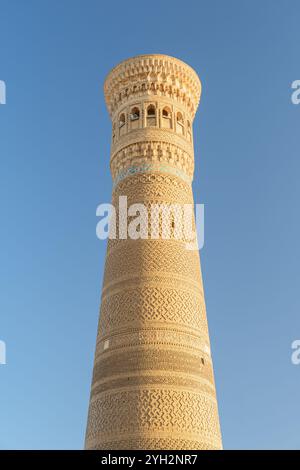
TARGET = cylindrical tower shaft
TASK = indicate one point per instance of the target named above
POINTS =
(153, 385)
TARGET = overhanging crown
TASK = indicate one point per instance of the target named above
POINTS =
(153, 74)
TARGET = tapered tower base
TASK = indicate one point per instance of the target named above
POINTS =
(153, 385)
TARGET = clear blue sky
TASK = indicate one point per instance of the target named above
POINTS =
(54, 148)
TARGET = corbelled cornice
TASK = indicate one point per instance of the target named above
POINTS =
(153, 74)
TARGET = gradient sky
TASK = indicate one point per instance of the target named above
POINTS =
(54, 147)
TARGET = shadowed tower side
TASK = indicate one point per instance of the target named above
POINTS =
(153, 384)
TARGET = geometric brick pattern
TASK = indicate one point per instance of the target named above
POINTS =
(151, 412)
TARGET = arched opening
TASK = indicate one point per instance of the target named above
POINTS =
(166, 118)
(134, 117)
(189, 131)
(179, 118)
(151, 110)
(122, 127)
(122, 120)
(179, 123)
(135, 114)
(151, 115)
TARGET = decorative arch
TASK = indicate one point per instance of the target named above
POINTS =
(151, 115)
(166, 118)
(135, 117)
(122, 122)
(179, 123)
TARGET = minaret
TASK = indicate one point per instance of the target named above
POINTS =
(153, 384)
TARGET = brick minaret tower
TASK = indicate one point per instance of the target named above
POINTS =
(153, 385)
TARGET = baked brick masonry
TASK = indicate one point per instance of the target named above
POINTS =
(153, 384)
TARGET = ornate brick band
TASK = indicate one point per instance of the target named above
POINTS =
(156, 413)
(153, 153)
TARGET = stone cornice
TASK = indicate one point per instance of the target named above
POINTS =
(150, 75)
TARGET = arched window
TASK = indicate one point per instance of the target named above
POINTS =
(179, 123)
(151, 115)
(122, 120)
(179, 118)
(122, 127)
(134, 117)
(151, 110)
(189, 131)
(135, 114)
(166, 118)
